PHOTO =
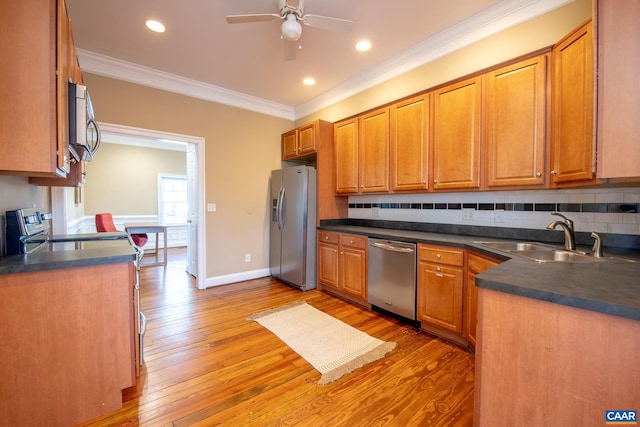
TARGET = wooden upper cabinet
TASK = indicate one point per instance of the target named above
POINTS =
(345, 135)
(409, 143)
(301, 141)
(618, 49)
(572, 98)
(374, 151)
(307, 138)
(32, 107)
(289, 144)
(515, 124)
(456, 136)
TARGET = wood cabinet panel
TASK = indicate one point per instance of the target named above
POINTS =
(515, 124)
(618, 79)
(456, 135)
(587, 363)
(373, 144)
(289, 142)
(347, 160)
(409, 143)
(67, 343)
(342, 265)
(328, 264)
(29, 98)
(475, 265)
(572, 131)
(440, 296)
(307, 138)
(440, 287)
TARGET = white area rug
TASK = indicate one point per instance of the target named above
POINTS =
(328, 344)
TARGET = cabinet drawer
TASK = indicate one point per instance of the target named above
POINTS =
(352, 241)
(328, 237)
(441, 255)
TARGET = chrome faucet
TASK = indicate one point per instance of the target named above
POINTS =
(567, 227)
(597, 245)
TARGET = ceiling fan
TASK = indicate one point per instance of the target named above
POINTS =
(291, 28)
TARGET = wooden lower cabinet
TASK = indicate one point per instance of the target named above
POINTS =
(476, 264)
(68, 343)
(440, 289)
(342, 265)
(540, 364)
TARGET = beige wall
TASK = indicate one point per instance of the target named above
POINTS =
(536, 34)
(241, 149)
(123, 179)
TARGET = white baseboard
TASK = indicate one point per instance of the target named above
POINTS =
(236, 277)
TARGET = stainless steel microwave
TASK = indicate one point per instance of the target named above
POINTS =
(84, 133)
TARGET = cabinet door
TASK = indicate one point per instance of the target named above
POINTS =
(374, 151)
(618, 77)
(409, 136)
(346, 149)
(28, 96)
(328, 265)
(289, 144)
(572, 141)
(456, 135)
(440, 296)
(476, 265)
(516, 124)
(353, 271)
(307, 138)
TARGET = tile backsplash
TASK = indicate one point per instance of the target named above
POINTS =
(605, 210)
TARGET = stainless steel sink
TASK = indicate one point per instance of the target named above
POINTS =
(518, 246)
(541, 252)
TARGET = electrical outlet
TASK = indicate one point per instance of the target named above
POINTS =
(247, 257)
(498, 216)
(467, 214)
(375, 211)
(211, 207)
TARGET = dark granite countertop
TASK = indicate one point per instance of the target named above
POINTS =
(69, 254)
(610, 287)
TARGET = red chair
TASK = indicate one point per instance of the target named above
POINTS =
(104, 223)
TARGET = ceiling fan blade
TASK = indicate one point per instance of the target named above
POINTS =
(290, 48)
(328, 23)
(259, 17)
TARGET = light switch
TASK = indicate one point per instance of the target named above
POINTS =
(211, 207)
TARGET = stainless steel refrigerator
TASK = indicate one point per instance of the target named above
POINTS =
(292, 240)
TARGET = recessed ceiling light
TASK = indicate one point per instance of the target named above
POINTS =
(363, 45)
(309, 81)
(155, 26)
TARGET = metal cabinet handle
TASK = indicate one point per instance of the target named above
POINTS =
(539, 174)
(554, 173)
(438, 256)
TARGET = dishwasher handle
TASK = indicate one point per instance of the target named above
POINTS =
(389, 247)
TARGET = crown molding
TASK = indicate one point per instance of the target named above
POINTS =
(491, 21)
(488, 22)
(127, 71)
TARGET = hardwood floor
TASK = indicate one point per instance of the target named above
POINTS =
(207, 365)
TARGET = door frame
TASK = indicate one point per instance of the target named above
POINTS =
(199, 143)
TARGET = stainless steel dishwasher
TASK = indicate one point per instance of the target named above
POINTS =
(392, 277)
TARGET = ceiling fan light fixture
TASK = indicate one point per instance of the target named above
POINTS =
(291, 28)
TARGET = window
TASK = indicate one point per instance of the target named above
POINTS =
(172, 199)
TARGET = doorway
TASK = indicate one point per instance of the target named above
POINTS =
(195, 175)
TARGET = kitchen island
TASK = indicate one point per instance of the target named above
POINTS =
(69, 326)
(557, 343)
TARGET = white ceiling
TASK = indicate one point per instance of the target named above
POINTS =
(243, 64)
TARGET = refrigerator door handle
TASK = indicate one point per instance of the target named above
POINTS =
(282, 207)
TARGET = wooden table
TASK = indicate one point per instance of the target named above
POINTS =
(150, 227)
